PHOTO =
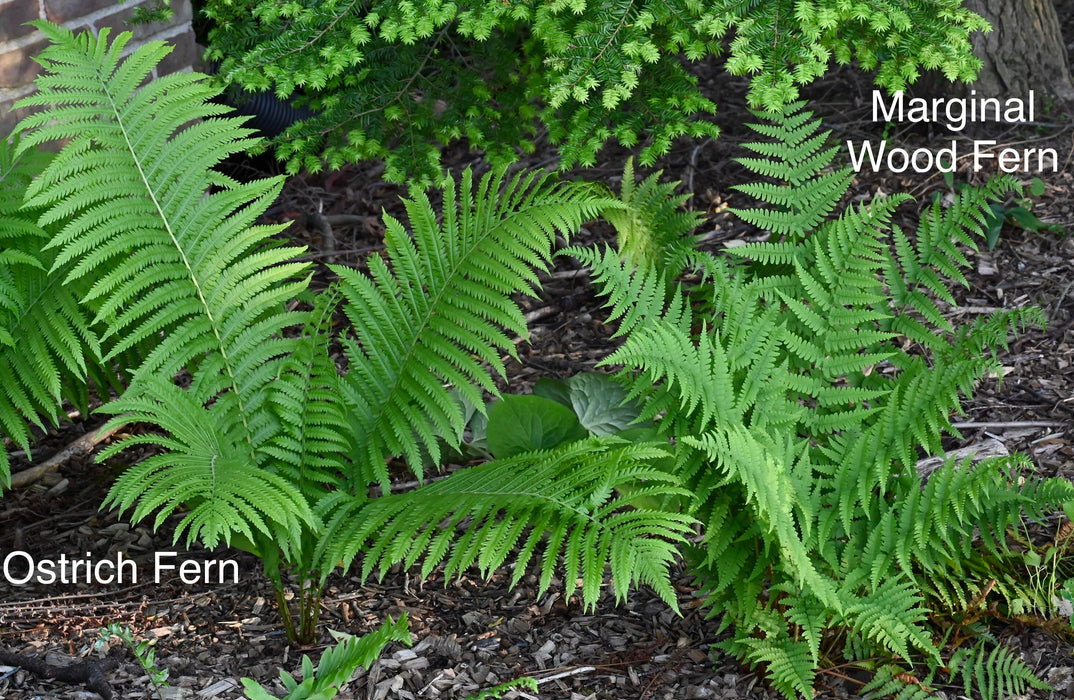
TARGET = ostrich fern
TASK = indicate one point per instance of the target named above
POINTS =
(799, 380)
(269, 447)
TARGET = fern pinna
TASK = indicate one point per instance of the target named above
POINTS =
(269, 447)
(800, 379)
(50, 344)
(44, 335)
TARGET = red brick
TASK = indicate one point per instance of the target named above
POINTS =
(184, 54)
(9, 118)
(13, 19)
(60, 11)
(18, 67)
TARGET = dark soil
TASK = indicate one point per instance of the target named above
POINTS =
(472, 634)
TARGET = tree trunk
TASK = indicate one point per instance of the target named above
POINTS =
(1024, 51)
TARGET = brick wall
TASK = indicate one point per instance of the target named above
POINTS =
(20, 43)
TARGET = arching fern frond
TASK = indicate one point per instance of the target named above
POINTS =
(436, 309)
(172, 259)
(205, 467)
(996, 674)
(561, 502)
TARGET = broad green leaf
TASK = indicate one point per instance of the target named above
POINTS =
(520, 424)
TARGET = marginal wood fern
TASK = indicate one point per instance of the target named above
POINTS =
(268, 445)
(801, 380)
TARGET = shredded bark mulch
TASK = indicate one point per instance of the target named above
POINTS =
(472, 634)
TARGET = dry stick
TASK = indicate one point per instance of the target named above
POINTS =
(564, 674)
(22, 453)
(538, 314)
(1010, 424)
(82, 446)
(88, 672)
(328, 237)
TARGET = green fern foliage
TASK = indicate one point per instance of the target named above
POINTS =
(204, 468)
(800, 380)
(562, 503)
(49, 345)
(337, 664)
(132, 187)
(995, 674)
(173, 258)
(312, 438)
(650, 228)
(435, 311)
(260, 440)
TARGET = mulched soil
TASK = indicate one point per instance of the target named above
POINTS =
(472, 634)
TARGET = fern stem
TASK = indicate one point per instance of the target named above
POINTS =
(285, 609)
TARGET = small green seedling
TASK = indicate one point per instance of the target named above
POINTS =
(1019, 214)
(524, 683)
(143, 651)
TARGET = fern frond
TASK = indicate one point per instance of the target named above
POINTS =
(765, 473)
(797, 156)
(310, 443)
(890, 680)
(788, 664)
(48, 342)
(437, 309)
(205, 468)
(564, 498)
(635, 292)
(337, 664)
(893, 615)
(132, 189)
(650, 228)
(996, 674)
(920, 271)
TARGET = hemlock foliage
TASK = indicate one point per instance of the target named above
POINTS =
(800, 381)
(395, 79)
(269, 446)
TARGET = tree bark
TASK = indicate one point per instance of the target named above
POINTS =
(1024, 51)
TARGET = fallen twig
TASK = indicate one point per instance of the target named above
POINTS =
(538, 314)
(328, 236)
(82, 446)
(1009, 424)
(564, 674)
(88, 672)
